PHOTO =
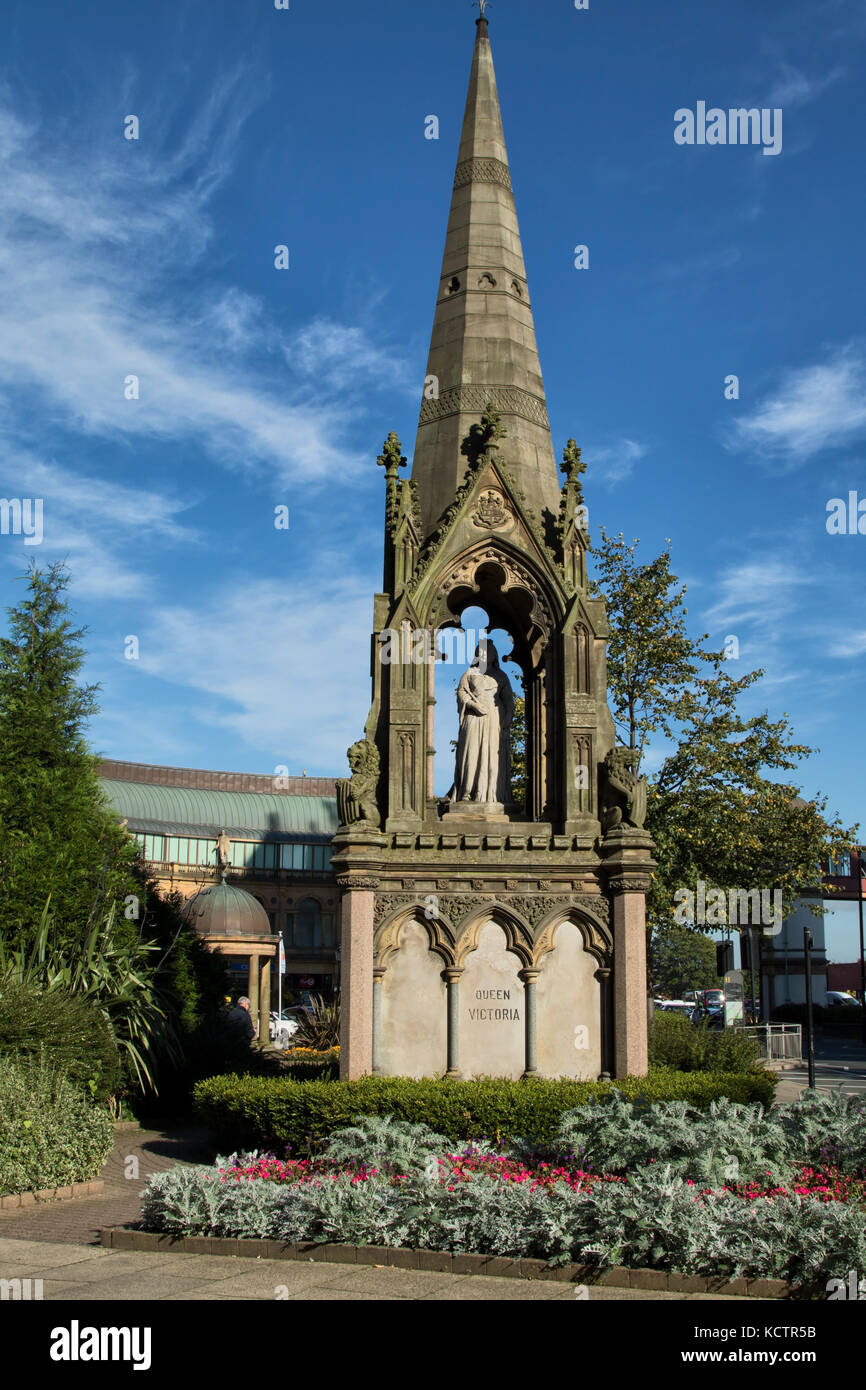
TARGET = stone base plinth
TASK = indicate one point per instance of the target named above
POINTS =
(475, 811)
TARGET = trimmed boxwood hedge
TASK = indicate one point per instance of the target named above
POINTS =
(256, 1112)
(50, 1134)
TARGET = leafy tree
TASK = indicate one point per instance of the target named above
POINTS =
(714, 806)
(518, 751)
(58, 838)
(681, 959)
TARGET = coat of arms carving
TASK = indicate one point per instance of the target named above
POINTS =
(492, 511)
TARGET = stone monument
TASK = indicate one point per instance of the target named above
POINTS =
(479, 938)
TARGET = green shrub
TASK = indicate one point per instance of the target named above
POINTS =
(380, 1141)
(50, 1135)
(724, 1143)
(263, 1112)
(843, 1016)
(70, 1031)
(678, 1044)
(827, 1127)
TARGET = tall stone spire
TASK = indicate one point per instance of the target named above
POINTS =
(483, 343)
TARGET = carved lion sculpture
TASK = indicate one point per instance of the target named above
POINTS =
(623, 793)
(356, 795)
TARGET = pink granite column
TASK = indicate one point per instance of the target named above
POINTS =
(631, 1056)
(356, 976)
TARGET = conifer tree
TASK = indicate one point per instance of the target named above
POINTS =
(59, 842)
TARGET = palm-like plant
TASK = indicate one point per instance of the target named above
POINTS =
(114, 974)
(318, 1025)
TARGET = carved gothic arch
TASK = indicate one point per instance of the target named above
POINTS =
(496, 576)
(518, 934)
(389, 936)
(597, 939)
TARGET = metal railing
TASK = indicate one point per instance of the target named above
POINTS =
(776, 1041)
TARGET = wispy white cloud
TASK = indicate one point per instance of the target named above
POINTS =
(614, 462)
(761, 603)
(757, 592)
(343, 358)
(310, 654)
(96, 524)
(99, 247)
(853, 644)
(793, 87)
(814, 408)
(701, 265)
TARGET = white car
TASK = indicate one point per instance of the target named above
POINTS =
(838, 996)
(282, 1029)
(675, 1006)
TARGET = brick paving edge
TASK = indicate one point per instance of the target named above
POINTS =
(442, 1261)
(15, 1200)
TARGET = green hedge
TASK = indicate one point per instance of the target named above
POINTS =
(50, 1135)
(265, 1113)
(677, 1044)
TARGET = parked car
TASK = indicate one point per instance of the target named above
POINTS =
(838, 996)
(713, 1018)
(675, 1006)
(282, 1028)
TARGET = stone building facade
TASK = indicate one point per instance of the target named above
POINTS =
(279, 849)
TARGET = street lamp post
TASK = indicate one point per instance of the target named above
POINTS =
(810, 1023)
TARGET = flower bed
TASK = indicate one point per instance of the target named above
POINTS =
(621, 1183)
(825, 1186)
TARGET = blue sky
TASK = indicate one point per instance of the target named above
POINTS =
(261, 387)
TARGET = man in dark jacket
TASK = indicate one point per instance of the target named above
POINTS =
(239, 1019)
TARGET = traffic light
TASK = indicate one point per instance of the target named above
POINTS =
(724, 957)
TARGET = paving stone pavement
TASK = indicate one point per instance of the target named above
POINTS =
(840, 1064)
(87, 1273)
(78, 1221)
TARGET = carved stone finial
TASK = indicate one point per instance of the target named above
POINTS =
(573, 465)
(481, 5)
(391, 457)
(481, 441)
